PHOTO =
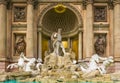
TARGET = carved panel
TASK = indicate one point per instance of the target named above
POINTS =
(100, 44)
(19, 13)
(100, 13)
(19, 44)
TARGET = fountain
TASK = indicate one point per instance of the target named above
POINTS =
(60, 67)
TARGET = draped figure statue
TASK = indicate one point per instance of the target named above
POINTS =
(57, 42)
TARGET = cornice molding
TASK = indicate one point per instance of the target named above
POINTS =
(33, 2)
(3, 2)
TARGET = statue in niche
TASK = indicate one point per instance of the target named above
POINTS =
(100, 45)
(57, 42)
(20, 46)
(19, 14)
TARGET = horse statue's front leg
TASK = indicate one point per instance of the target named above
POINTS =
(11, 66)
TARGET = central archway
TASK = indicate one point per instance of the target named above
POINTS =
(69, 21)
(52, 20)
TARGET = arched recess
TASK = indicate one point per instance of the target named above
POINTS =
(70, 21)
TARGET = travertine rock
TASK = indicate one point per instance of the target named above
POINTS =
(115, 76)
(91, 74)
(3, 78)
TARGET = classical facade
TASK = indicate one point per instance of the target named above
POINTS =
(88, 27)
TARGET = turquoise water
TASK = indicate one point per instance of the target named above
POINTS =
(14, 81)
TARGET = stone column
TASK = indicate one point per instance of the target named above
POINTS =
(40, 45)
(36, 30)
(3, 23)
(89, 30)
(30, 29)
(69, 43)
(117, 29)
(80, 46)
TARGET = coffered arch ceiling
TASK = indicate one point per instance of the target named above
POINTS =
(67, 21)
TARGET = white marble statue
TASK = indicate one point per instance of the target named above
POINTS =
(23, 63)
(20, 64)
(57, 42)
(29, 64)
(93, 63)
(39, 64)
(107, 62)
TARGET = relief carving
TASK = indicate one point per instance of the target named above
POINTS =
(100, 45)
(20, 46)
(19, 14)
(100, 13)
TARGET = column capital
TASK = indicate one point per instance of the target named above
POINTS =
(90, 1)
(30, 2)
(7, 3)
(116, 2)
(86, 2)
(33, 2)
(3, 2)
(110, 4)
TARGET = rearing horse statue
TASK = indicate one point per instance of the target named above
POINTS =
(93, 63)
